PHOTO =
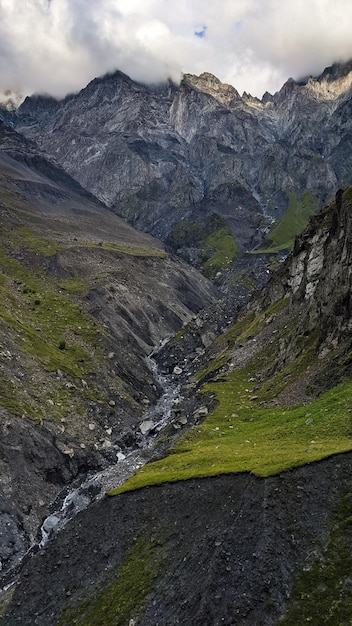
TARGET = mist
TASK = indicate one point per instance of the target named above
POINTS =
(58, 46)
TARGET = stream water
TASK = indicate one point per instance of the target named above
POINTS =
(269, 219)
(155, 418)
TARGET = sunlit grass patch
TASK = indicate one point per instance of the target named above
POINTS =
(241, 435)
(252, 323)
(322, 594)
(48, 323)
(22, 237)
(51, 332)
(129, 249)
(242, 329)
(285, 229)
(75, 286)
(212, 236)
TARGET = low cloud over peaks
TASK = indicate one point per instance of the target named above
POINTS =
(57, 46)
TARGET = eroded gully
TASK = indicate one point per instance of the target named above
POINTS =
(73, 500)
(94, 487)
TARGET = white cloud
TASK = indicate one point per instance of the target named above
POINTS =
(58, 46)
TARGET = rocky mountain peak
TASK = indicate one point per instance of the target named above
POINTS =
(337, 70)
(210, 84)
(38, 103)
(287, 91)
(110, 85)
(333, 84)
(158, 155)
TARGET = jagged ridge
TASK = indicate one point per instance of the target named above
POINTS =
(157, 155)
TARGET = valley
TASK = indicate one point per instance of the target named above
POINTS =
(211, 485)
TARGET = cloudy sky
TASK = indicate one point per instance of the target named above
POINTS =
(58, 46)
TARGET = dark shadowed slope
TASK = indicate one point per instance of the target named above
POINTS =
(84, 298)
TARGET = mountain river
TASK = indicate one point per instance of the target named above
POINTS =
(75, 499)
(155, 418)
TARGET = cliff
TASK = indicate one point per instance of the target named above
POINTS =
(169, 157)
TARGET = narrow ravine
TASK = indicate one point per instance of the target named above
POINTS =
(94, 487)
(76, 498)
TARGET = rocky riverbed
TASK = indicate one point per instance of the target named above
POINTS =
(159, 426)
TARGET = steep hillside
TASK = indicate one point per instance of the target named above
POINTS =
(278, 369)
(84, 299)
(253, 502)
(171, 158)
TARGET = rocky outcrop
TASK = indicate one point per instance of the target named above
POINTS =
(35, 463)
(317, 276)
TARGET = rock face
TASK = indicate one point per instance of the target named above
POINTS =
(318, 274)
(157, 155)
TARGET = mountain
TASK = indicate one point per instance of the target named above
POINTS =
(84, 299)
(200, 167)
(211, 483)
(246, 518)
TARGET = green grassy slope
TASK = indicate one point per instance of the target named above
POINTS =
(282, 401)
(283, 233)
(125, 593)
(218, 246)
(51, 347)
(249, 430)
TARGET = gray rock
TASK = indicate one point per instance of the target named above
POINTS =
(146, 427)
(201, 412)
(50, 523)
(146, 151)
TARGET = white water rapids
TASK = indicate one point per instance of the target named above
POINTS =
(95, 486)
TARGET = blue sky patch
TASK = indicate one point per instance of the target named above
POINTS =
(201, 32)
